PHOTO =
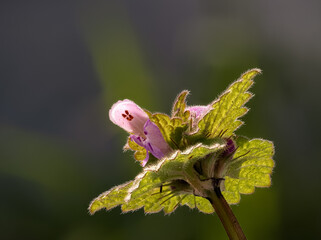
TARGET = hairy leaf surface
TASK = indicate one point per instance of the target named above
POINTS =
(251, 167)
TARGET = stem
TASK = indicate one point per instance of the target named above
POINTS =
(224, 212)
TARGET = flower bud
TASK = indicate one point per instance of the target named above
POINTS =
(197, 113)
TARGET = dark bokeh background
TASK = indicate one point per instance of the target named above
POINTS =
(64, 63)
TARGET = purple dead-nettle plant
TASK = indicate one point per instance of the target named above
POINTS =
(192, 157)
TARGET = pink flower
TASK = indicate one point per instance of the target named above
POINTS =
(129, 116)
(197, 113)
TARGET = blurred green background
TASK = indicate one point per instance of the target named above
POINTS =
(64, 63)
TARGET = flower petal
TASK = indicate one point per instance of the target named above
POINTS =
(129, 116)
(198, 111)
(141, 142)
(156, 142)
(153, 141)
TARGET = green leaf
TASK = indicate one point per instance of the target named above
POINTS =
(164, 185)
(222, 120)
(149, 196)
(140, 152)
(172, 129)
(178, 178)
(202, 204)
(111, 198)
(250, 167)
(180, 105)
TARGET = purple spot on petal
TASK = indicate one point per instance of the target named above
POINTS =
(137, 140)
(145, 132)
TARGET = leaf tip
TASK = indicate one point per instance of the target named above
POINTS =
(180, 100)
(249, 74)
(93, 207)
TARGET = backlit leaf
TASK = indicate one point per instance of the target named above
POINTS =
(180, 105)
(146, 189)
(222, 120)
(111, 198)
(251, 167)
(172, 129)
